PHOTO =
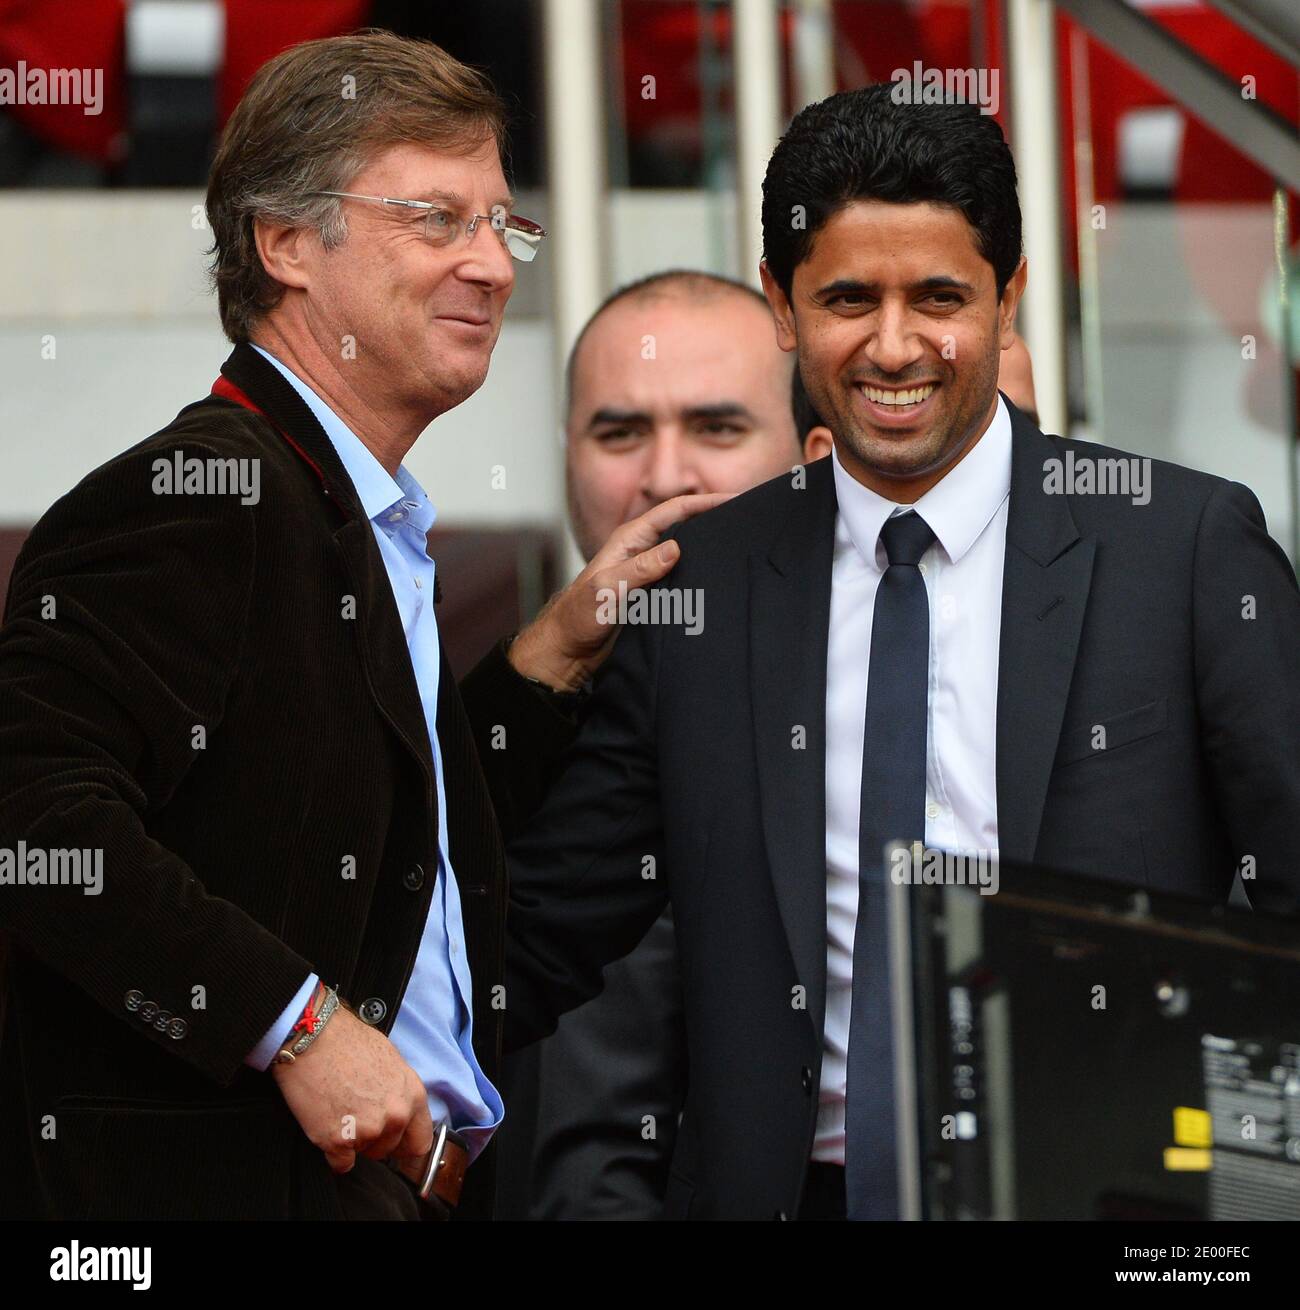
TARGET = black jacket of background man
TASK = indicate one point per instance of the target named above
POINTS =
(222, 701)
(1174, 624)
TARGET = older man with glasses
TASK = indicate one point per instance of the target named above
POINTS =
(238, 705)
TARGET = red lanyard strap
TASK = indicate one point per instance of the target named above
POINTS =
(227, 390)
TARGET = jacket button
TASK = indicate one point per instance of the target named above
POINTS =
(805, 1077)
(148, 1011)
(163, 1019)
(373, 1010)
(177, 1029)
(414, 878)
(133, 999)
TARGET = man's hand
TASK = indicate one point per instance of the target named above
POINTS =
(352, 1093)
(566, 643)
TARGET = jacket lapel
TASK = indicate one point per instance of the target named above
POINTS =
(384, 654)
(478, 857)
(264, 385)
(790, 594)
(1048, 569)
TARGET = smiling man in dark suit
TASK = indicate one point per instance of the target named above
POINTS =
(957, 629)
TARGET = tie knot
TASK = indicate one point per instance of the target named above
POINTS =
(907, 537)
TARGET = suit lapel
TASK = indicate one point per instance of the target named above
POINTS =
(266, 387)
(790, 593)
(384, 652)
(1048, 569)
(478, 857)
(382, 642)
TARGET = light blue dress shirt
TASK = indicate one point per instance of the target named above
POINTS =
(433, 1030)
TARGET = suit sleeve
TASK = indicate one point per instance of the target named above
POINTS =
(521, 732)
(122, 635)
(1246, 613)
(587, 877)
(614, 1067)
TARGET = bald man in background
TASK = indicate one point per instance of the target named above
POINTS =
(676, 382)
(675, 385)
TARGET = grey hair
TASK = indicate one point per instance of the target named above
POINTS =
(311, 119)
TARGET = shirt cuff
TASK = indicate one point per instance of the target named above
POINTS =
(263, 1053)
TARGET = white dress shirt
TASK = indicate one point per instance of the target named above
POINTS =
(967, 509)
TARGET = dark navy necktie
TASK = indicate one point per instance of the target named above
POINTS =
(893, 807)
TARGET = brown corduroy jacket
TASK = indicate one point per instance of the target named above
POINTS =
(213, 700)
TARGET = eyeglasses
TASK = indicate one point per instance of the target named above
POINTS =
(442, 228)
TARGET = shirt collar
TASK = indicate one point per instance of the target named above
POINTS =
(386, 500)
(958, 507)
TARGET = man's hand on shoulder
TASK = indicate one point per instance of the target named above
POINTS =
(570, 639)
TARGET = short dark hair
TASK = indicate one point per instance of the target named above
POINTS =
(862, 145)
(805, 416)
(692, 283)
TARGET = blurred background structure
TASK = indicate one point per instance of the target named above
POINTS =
(1158, 145)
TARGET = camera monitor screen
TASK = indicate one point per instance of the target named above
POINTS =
(1076, 1049)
